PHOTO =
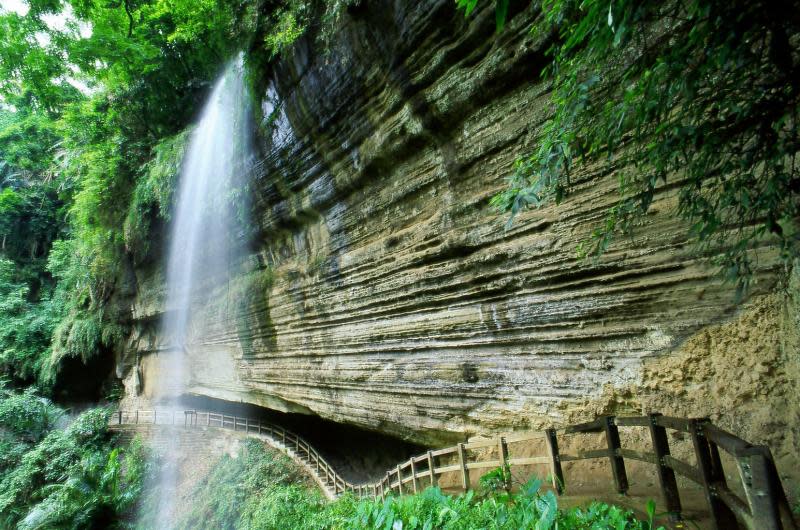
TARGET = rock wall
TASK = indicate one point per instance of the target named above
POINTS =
(382, 290)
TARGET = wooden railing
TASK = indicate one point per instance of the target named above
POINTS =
(329, 480)
(763, 506)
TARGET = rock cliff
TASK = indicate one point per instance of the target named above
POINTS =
(382, 290)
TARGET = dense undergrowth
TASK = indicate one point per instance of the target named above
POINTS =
(62, 472)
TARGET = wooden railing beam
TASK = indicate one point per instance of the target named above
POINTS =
(763, 507)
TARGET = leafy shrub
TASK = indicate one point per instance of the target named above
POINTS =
(71, 478)
(85, 326)
(244, 492)
(27, 416)
(153, 194)
(25, 326)
(530, 508)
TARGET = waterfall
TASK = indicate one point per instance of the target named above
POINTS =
(205, 241)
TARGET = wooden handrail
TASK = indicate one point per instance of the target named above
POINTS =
(764, 506)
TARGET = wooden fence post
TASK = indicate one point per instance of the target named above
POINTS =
(432, 468)
(666, 476)
(399, 480)
(462, 461)
(502, 448)
(137, 416)
(414, 481)
(551, 440)
(721, 515)
(616, 461)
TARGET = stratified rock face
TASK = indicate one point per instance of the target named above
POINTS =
(383, 291)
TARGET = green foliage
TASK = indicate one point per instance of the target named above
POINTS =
(152, 196)
(27, 139)
(282, 26)
(63, 478)
(28, 224)
(529, 508)
(497, 481)
(501, 10)
(288, 24)
(84, 329)
(92, 496)
(330, 18)
(251, 490)
(25, 327)
(699, 95)
(27, 315)
(26, 416)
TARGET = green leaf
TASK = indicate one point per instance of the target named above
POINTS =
(467, 5)
(501, 12)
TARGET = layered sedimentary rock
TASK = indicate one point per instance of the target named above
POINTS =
(383, 291)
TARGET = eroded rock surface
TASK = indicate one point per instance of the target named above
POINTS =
(383, 291)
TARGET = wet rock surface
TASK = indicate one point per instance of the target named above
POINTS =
(383, 291)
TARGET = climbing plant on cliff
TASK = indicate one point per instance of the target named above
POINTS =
(697, 95)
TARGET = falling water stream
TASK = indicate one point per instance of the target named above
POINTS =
(203, 242)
